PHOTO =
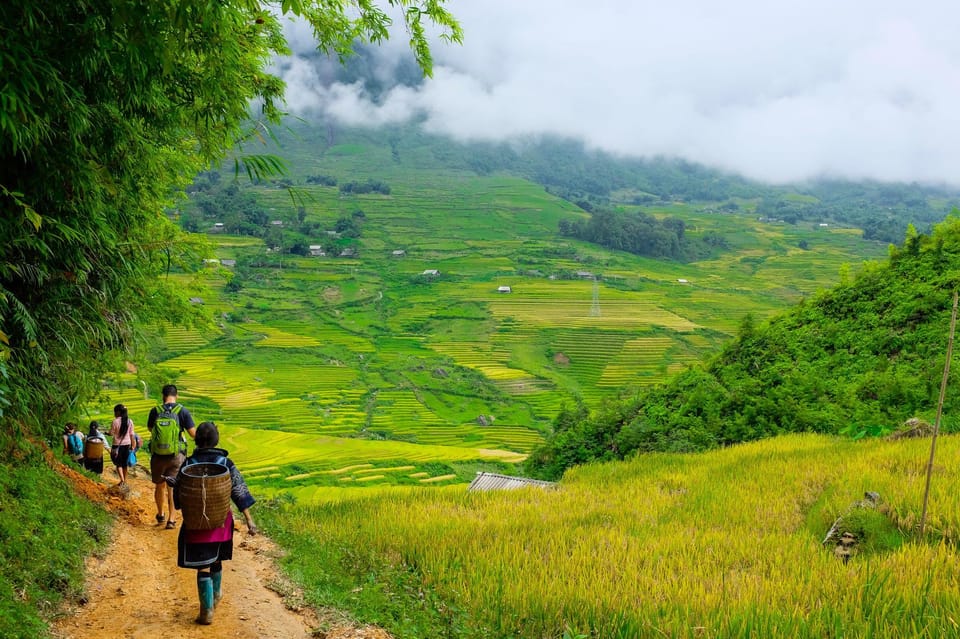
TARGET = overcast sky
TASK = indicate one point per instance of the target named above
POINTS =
(776, 90)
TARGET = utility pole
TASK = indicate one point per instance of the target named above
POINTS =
(936, 425)
(595, 304)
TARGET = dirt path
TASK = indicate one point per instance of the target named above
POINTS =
(136, 591)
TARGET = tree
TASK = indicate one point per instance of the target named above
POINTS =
(107, 110)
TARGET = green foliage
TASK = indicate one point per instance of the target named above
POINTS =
(108, 109)
(638, 233)
(369, 186)
(874, 531)
(45, 533)
(856, 432)
(856, 360)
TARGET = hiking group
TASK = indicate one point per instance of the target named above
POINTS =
(201, 485)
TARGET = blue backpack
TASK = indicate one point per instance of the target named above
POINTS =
(74, 443)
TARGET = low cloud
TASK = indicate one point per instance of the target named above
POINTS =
(854, 90)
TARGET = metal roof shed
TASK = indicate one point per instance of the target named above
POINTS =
(495, 481)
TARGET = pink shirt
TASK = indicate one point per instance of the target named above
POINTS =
(126, 440)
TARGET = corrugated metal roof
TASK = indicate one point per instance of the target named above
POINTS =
(494, 481)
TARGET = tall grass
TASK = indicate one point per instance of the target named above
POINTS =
(46, 530)
(722, 544)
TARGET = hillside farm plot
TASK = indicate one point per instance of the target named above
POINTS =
(644, 360)
(178, 339)
(262, 453)
(313, 398)
(278, 338)
(405, 416)
(570, 304)
(130, 396)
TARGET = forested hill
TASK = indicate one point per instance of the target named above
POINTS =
(860, 358)
(597, 181)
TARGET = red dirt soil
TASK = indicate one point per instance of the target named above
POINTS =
(134, 589)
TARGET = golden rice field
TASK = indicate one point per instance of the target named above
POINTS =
(715, 545)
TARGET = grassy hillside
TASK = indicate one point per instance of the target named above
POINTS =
(306, 351)
(860, 358)
(46, 531)
(720, 544)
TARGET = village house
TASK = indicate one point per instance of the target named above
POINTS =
(504, 289)
(316, 250)
(431, 272)
(230, 263)
(399, 253)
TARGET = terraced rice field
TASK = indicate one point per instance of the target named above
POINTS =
(380, 364)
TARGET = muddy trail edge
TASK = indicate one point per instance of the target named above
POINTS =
(135, 590)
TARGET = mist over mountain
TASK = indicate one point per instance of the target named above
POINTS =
(861, 91)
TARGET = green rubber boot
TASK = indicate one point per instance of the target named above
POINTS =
(205, 592)
(216, 578)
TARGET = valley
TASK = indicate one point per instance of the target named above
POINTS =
(399, 357)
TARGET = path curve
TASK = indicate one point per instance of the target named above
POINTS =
(135, 589)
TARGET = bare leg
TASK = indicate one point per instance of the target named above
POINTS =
(172, 514)
(158, 496)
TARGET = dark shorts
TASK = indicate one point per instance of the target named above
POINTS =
(119, 455)
(164, 465)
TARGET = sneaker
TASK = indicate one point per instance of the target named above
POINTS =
(159, 519)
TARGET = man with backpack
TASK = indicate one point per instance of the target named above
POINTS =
(168, 448)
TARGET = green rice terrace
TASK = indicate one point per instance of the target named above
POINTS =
(444, 339)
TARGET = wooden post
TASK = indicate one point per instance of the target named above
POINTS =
(936, 425)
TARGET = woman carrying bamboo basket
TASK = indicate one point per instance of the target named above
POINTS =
(203, 489)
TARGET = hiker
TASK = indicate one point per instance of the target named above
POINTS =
(73, 442)
(134, 449)
(206, 550)
(93, 449)
(168, 448)
(121, 431)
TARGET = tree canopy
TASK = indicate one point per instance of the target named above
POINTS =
(108, 108)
